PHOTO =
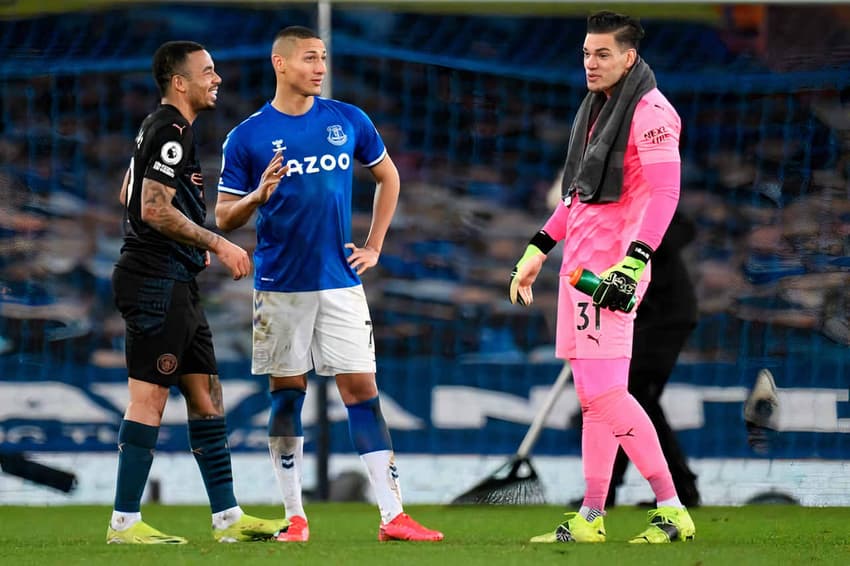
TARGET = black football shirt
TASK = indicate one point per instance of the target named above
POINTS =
(164, 152)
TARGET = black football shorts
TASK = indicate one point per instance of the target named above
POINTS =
(167, 334)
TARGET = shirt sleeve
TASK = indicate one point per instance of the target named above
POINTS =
(169, 153)
(556, 226)
(369, 148)
(664, 179)
(656, 130)
(235, 172)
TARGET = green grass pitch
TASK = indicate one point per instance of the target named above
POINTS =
(346, 533)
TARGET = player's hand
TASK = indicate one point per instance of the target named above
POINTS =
(525, 274)
(233, 257)
(362, 259)
(207, 260)
(619, 282)
(270, 178)
(528, 267)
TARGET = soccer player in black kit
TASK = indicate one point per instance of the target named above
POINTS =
(168, 340)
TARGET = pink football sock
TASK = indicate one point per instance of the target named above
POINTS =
(636, 434)
(593, 377)
(598, 450)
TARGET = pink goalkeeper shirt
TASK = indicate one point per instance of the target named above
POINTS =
(598, 235)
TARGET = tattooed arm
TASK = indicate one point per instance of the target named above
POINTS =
(162, 216)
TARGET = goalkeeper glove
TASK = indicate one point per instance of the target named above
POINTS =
(619, 282)
(528, 267)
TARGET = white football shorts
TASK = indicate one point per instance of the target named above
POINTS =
(329, 331)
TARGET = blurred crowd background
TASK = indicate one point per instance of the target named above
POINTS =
(475, 110)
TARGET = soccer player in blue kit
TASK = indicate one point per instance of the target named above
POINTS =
(291, 162)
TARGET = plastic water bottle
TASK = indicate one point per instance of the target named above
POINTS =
(587, 281)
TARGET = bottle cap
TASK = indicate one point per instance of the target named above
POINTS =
(576, 275)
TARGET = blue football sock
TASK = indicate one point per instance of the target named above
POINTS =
(208, 440)
(136, 443)
(367, 427)
(285, 413)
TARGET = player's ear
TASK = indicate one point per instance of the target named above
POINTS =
(631, 58)
(178, 83)
(278, 62)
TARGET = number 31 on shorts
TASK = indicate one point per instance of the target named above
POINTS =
(586, 312)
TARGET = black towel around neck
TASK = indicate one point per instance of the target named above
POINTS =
(596, 171)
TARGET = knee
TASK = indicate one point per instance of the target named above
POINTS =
(604, 406)
(357, 388)
(145, 412)
(204, 399)
(204, 407)
(200, 410)
(147, 403)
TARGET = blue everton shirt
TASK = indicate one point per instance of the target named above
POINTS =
(303, 228)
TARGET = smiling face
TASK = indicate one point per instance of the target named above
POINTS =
(605, 61)
(300, 64)
(199, 80)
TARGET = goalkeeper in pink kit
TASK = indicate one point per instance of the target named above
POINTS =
(620, 190)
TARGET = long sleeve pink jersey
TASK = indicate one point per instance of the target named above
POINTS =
(597, 235)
